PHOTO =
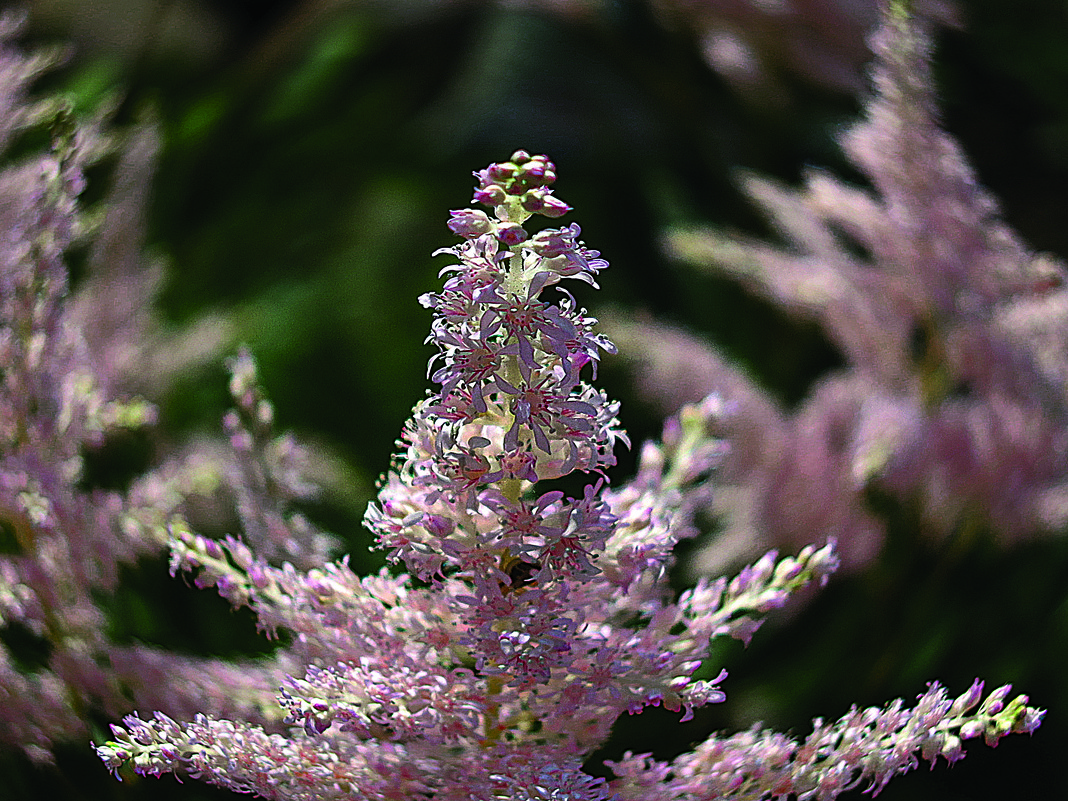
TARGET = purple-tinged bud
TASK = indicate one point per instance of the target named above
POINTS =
(770, 599)
(225, 584)
(184, 535)
(511, 233)
(501, 172)
(470, 223)
(492, 195)
(210, 547)
(754, 575)
(258, 575)
(968, 700)
(672, 433)
(996, 702)
(241, 441)
(822, 563)
(553, 207)
(787, 570)
(264, 413)
(678, 683)
(1028, 720)
(240, 553)
(521, 157)
(555, 241)
(534, 201)
(533, 171)
(231, 422)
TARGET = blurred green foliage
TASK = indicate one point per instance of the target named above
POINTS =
(309, 164)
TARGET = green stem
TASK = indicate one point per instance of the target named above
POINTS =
(490, 729)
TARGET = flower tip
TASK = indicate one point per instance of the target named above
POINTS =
(552, 207)
(1030, 720)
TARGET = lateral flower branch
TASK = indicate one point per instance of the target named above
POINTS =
(529, 620)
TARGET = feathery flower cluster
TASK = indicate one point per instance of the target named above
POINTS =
(530, 620)
(954, 398)
(65, 362)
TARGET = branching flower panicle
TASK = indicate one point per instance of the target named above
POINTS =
(531, 619)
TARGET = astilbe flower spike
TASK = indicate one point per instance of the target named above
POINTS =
(954, 395)
(530, 620)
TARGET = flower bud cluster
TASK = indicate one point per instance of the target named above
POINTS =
(517, 188)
